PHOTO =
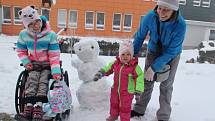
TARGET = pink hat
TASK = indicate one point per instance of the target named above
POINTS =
(28, 15)
(126, 46)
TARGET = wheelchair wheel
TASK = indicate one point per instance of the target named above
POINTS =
(62, 116)
(19, 92)
(66, 78)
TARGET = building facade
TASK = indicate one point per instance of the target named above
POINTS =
(0, 16)
(109, 18)
(106, 18)
(200, 19)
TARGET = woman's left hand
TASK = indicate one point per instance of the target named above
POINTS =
(56, 77)
(149, 76)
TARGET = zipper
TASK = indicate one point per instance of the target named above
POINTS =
(35, 47)
(120, 71)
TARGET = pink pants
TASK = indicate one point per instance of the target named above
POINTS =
(120, 105)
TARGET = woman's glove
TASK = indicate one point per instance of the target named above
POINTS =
(137, 95)
(56, 77)
(29, 66)
(98, 76)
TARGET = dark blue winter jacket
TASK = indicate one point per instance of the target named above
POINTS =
(171, 37)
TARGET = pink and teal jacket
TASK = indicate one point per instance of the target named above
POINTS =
(41, 47)
(127, 77)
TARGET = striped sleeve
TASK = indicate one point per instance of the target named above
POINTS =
(22, 50)
(54, 54)
(108, 69)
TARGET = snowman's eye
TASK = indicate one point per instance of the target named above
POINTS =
(79, 49)
(92, 47)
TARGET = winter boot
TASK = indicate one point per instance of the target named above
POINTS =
(110, 118)
(134, 113)
(26, 115)
(37, 113)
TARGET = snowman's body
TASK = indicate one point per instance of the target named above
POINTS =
(91, 95)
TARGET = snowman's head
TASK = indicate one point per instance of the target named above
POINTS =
(87, 50)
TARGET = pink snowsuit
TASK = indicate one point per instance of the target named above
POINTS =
(128, 79)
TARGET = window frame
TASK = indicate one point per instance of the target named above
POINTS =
(14, 18)
(45, 9)
(182, 2)
(206, 4)
(3, 19)
(89, 26)
(118, 26)
(210, 31)
(125, 27)
(196, 3)
(70, 24)
(141, 17)
(100, 25)
(61, 24)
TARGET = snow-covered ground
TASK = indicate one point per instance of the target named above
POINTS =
(193, 96)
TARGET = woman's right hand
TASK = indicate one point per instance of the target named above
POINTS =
(149, 75)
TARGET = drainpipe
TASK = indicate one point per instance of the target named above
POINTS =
(1, 18)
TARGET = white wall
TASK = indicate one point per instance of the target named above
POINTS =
(196, 32)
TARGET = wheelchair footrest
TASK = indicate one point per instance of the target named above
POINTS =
(19, 117)
(35, 99)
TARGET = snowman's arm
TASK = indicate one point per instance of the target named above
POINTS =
(108, 69)
(75, 63)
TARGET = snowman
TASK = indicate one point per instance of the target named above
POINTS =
(91, 95)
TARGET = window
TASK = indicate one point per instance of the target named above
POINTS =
(116, 22)
(61, 18)
(212, 35)
(89, 20)
(196, 3)
(206, 3)
(47, 3)
(73, 17)
(38, 10)
(6, 15)
(17, 20)
(127, 23)
(141, 18)
(45, 12)
(100, 21)
(151, 0)
(182, 2)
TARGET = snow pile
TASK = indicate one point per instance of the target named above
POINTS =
(193, 95)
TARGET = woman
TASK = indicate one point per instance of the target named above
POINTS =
(166, 28)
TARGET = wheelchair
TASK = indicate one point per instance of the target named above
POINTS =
(20, 99)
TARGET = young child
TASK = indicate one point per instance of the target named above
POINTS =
(39, 52)
(128, 80)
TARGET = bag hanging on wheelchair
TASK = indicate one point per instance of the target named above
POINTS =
(59, 98)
